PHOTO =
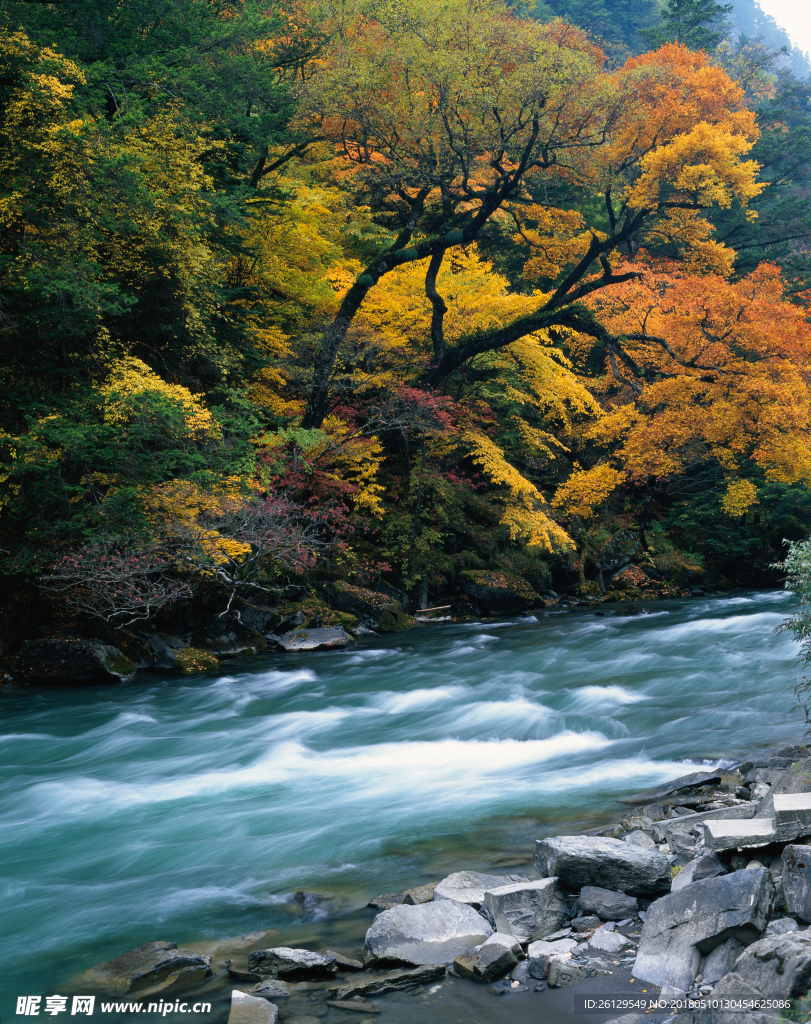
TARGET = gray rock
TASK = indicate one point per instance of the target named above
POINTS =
(720, 961)
(588, 860)
(779, 966)
(312, 639)
(562, 972)
(285, 960)
(528, 910)
(605, 903)
(242, 972)
(431, 933)
(635, 820)
(228, 637)
(71, 663)
(344, 963)
(609, 941)
(731, 835)
(586, 923)
(640, 838)
(247, 1009)
(272, 988)
(681, 928)
(493, 959)
(153, 963)
(469, 886)
(356, 1005)
(781, 926)
(706, 866)
(542, 948)
(419, 894)
(797, 880)
(788, 777)
(376, 984)
(733, 987)
(386, 900)
(680, 785)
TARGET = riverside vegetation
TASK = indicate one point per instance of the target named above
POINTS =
(322, 314)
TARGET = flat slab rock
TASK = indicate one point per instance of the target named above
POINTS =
(151, 964)
(683, 927)
(392, 981)
(286, 960)
(430, 933)
(692, 781)
(588, 860)
(469, 886)
(246, 1009)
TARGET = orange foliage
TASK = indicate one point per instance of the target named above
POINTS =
(725, 370)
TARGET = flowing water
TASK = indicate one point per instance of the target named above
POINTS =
(194, 810)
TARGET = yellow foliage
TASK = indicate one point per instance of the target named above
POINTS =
(586, 490)
(398, 311)
(522, 514)
(131, 376)
(740, 496)
(175, 509)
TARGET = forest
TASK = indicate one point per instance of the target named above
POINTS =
(358, 297)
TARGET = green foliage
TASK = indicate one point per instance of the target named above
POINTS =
(697, 24)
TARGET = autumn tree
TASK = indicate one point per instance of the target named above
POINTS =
(718, 387)
(458, 116)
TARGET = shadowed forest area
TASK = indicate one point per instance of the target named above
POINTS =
(311, 305)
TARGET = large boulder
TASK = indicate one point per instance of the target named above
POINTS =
(150, 965)
(228, 637)
(498, 593)
(285, 960)
(429, 933)
(58, 662)
(797, 880)
(378, 611)
(528, 910)
(247, 1009)
(778, 966)
(608, 863)
(607, 904)
(619, 552)
(681, 928)
(493, 959)
(469, 886)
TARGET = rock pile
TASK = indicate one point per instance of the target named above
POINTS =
(714, 867)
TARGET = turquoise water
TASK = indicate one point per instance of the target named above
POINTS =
(193, 810)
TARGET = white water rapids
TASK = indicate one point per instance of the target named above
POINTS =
(189, 810)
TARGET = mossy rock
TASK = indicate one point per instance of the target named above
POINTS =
(499, 593)
(193, 660)
(379, 611)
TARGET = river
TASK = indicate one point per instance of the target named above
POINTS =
(190, 810)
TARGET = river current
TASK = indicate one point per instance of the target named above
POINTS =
(191, 810)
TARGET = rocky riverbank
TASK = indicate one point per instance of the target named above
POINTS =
(702, 890)
(190, 640)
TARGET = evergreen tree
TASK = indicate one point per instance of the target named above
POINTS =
(697, 24)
